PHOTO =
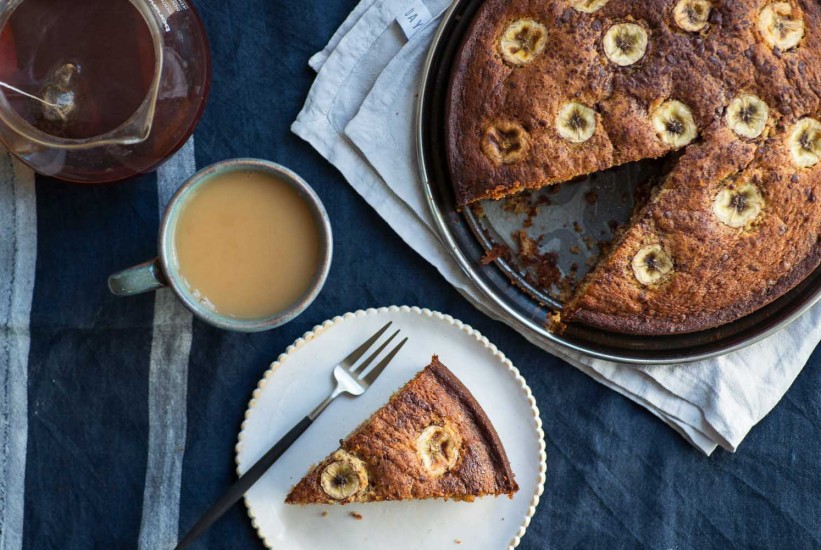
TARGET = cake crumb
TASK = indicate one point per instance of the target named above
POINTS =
(325, 514)
(554, 323)
(543, 268)
(528, 248)
(356, 515)
(498, 251)
(457, 541)
(518, 204)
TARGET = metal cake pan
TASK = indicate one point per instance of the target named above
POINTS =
(505, 282)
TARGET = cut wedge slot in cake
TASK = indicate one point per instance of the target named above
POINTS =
(431, 440)
(734, 86)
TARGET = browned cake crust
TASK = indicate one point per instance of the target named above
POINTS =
(386, 444)
(720, 273)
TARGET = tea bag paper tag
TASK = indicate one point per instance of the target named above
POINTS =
(414, 18)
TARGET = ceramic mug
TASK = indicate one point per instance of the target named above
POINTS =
(163, 271)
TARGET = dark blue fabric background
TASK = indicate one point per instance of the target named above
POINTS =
(617, 476)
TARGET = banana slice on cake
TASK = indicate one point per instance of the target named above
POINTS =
(588, 6)
(505, 142)
(438, 449)
(576, 122)
(673, 120)
(747, 115)
(805, 143)
(651, 265)
(780, 27)
(344, 477)
(692, 15)
(738, 206)
(523, 41)
(625, 43)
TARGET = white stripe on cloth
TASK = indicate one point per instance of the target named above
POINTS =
(18, 259)
(167, 389)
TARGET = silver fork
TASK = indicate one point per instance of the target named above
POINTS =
(350, 378)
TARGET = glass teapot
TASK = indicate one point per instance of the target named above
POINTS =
(95, 91)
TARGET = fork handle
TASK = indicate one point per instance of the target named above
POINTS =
(245, 482)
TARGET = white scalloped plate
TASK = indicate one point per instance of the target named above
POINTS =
(301, 378)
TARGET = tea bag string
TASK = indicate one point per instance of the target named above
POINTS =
(34, 97)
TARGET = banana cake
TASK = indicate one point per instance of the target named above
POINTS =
(543, 92)
(431, 440)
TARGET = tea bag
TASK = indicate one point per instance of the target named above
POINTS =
(59, 94)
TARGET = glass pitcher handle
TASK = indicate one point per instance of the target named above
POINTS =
(141, 278)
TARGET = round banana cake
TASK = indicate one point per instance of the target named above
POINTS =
(544, 92)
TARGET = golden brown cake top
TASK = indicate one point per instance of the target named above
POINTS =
(546, 91)
(431, 440)
(541, 92)
(728, 231)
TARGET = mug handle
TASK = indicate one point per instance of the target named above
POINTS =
(141, 278)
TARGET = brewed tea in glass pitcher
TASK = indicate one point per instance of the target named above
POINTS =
(94, 91)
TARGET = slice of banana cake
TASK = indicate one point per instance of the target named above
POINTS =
(431, 440)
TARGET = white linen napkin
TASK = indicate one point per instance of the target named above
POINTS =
(359, 115)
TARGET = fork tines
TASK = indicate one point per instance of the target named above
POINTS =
(361, 369)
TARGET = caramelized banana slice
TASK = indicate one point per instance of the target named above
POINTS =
(505, 142)
(805, 143)
(576, 122)
(692, 15)
(588, 6)
(523, 41)
(652, 265)
(747, 116)
(438, 448)
(673, 120)
(738, 206)
(625, 43)
(779, 27)
(344, 477)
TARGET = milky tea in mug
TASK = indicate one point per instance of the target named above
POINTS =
(247, 244)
